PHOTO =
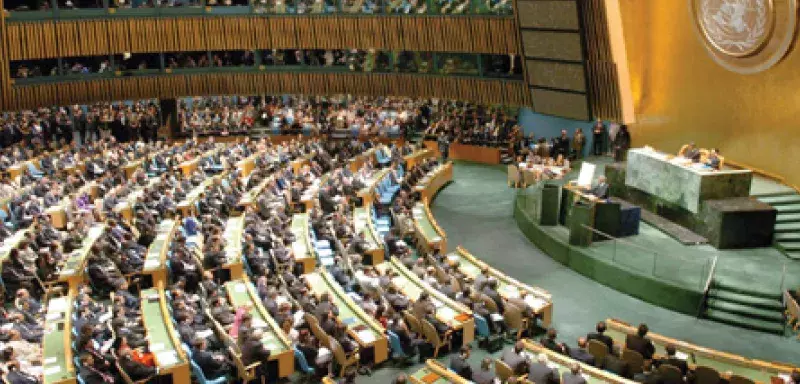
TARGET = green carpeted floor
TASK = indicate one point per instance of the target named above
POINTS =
(475, 211)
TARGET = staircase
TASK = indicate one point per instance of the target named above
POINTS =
(787, 224)
(736, 306)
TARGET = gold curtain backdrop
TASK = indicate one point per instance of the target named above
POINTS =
(680, 94)
(48, 39)
(167, 86)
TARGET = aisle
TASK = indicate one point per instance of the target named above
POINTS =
(476, 211)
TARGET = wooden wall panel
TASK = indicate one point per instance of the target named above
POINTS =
(5, 69)
(125, 88)
(49, 39)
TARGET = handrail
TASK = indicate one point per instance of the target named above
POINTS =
(630, 243)
(707, 286)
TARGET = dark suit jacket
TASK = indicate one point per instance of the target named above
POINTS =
(91, 376)
(17, 377)
(254, 351)
(514, 360)
(569, 378)
(211, 367)
(542, 374)
(600, 190)
(676, 362)
(461, 367)
(483, 377)
(136, 370)
(581, 355)
(607, 340)
(642, 345)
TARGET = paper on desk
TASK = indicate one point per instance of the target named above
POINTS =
(104, 317)
(681, 355)
(167, 358)
(52, 316)
(52, 370)
(366, 336)
(496, 317)
(534, 302)
(258, 323)
(151, 263)
(240, 288)
(452, 257)
(156, 347)
(57, 305)
(49, 360)
(205, 334)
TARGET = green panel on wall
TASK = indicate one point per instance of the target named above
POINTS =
(556, 75)
(550, 14)
(565, 104)
(552, 45)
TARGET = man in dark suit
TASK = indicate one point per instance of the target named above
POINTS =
(649, 374)
(485, 374)
(573, 376)
(601, 189)
(253, 351)
(673, 360)
(490, 290)
(91, 374)
(213, 365)
(135, 370)
(549, 342)
(540, 373)
(601, 337)
(513, 358)
(15, 376)
(459, 364)
(692, 153)
(640, 343)
(325, 306)
(580, 353)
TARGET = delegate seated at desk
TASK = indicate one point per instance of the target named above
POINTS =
(690, 151)
(713, 161)
(600, 190)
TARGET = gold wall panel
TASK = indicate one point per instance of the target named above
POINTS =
(680, 94)
(166, 86)
(556, 75)
(564, 104)
(5, 69)
(48, 39)
(548, 14)
(552, 45)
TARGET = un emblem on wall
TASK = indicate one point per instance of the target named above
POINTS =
(746, 36)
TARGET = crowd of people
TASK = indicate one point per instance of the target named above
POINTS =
(495, 7)
(54, 127)
(353, 60)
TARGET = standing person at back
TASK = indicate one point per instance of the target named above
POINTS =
(640, 343)
(444, 146)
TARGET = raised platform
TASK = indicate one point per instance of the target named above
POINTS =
(657, 268)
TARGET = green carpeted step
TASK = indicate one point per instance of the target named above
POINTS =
(781, 200)
(773, 194)
(787, 236)
(753, 301)
(746, 310)
(791, 208)
(793, 255)
(744, 322)
(788, 218)
(721, 285)
(789, 246)
(787, 227)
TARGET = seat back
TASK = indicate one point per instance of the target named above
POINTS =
(394, 344)
(198, 373)
(502, 370)
(598, 349)
(634, 359)
(736, 379)
(670, 374)
(125, 377)
(513, 174)
(481, 326)
(430, 333)
(301, 361)
(246, 373)
(412, 322)
(489, 303)
(706, 375)
(513, 317)
(338, 351)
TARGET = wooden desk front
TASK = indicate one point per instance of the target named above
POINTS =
(475, 153)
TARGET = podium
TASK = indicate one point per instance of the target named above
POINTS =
(550, 205)
(606, 216)
(581, 217)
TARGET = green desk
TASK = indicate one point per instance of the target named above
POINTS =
(301, 247)
(448, 311)
(155, 261)
(233, 235)
(562, 364)
(435, 373)
(430, 185)
(241, 292)
(72, 268)
(363, 328)
(428, 232)
(367, 194)
(57, 342)
(725, 363)
(362, 222)
(187, 203)
(686, 186)
(249, 198)
(538, 299)
(12, 242)
(162, 337)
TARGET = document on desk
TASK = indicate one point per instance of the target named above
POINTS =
(167, 358)
(366, 336)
